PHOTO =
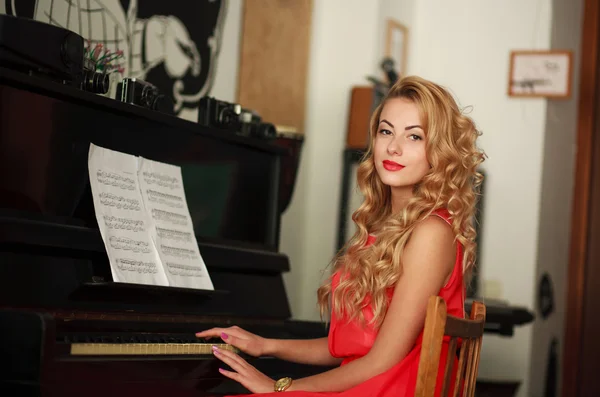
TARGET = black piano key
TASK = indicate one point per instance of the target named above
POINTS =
(213, 341)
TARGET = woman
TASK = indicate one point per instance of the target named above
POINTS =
(414, 239)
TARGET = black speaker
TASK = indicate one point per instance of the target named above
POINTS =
(41, 49)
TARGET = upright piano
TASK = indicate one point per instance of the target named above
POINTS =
(59, 306)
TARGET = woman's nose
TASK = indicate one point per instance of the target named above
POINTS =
(394, 148)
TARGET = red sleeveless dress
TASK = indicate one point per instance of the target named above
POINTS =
(350, 340)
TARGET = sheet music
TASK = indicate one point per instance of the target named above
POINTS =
(122, 219)
(172, 229)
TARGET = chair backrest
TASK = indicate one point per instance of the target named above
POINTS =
(466, 332)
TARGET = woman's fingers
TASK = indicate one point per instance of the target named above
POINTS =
(230, 358)
(210, 333)
(233, 340)
(243, 373)
(231, 336)
(223, 333)
(236, 336)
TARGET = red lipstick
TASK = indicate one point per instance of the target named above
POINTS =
(392, 166)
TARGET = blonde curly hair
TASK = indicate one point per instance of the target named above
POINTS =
(452, 183)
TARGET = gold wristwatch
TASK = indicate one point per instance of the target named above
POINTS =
(283, 384)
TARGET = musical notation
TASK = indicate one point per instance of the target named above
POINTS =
(125, 243)
(168, 200)
(161, 180)
(178, 252)
(176, 269)
(113, 222)
(169, 217)
(114, 200)
(115, 179)
(172, 228)
(122, 220)
(136, 266)
(176, 235)
(147, 228)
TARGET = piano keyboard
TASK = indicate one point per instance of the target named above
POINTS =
(143, 349)
(140, 344)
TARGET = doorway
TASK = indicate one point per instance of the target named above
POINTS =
(581, 343)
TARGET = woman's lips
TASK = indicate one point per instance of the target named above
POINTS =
(392, 166)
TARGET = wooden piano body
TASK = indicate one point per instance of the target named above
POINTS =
(60, 313)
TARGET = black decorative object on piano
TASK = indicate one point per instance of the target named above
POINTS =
(233, 118)
(56, 289)
(141, 93)
(47, 51)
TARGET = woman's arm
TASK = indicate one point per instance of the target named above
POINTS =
(428, 261)
(303, 351)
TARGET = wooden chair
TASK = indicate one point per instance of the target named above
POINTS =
(468, 331)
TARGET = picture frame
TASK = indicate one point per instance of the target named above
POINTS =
(396, 44)
(540, 74)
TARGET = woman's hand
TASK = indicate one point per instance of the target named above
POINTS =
(247, 342)
(244, 373)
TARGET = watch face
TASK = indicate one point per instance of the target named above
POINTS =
(282, 382)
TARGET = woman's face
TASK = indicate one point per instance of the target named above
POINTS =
(399, 148)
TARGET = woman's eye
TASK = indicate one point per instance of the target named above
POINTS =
(415, 137)
(385, 132)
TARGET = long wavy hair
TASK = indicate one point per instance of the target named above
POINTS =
(452, 183)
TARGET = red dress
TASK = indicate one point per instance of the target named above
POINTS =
(351, 341)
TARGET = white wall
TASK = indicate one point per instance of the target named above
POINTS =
(226, 76)
(558, 178)
(342, 53)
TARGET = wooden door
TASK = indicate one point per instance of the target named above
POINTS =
(581, 358)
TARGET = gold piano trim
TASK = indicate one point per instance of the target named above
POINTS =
(139, 349)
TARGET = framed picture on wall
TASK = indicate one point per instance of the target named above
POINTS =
(535, 74)
(396, 44)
